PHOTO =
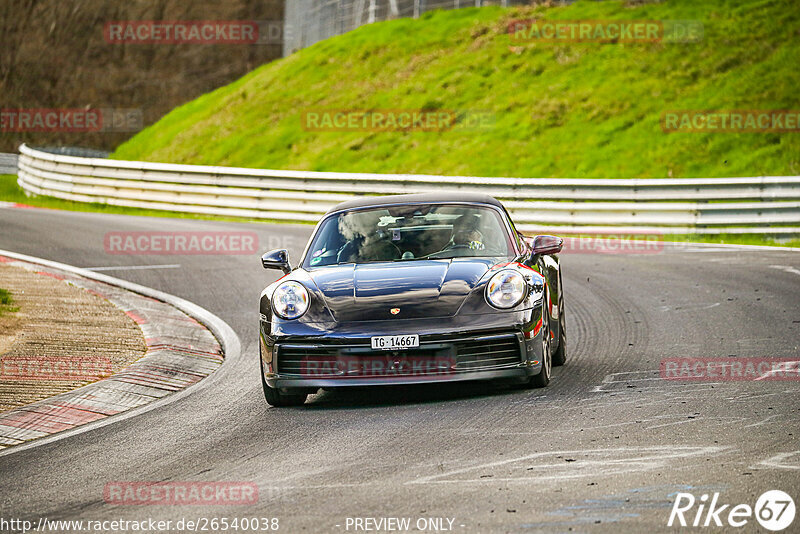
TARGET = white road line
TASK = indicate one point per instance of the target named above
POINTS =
(764, 421)
(690, 307)
(133, 267)
(655, 379)
(748, 397)
(785, 268)
(674, 423)
(612, 425)
(600, 462)
(776, 461)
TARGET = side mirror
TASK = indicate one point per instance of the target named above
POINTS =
(528, 240)
(277, 259)
(544, 245)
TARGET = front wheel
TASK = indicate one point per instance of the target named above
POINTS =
(560, 357)
(543, 378)
(276, 397)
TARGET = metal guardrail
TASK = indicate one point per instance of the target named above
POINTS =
(766, 205)
(74, 151)
(310, 21)
(8, 163)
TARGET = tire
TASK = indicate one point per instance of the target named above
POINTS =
(275, 397)
(543, 378)
(560, 357)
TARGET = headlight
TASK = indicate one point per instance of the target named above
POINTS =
(290, 300)
(505, 290)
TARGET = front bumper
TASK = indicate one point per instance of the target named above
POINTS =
(522, 374)
(347, 361)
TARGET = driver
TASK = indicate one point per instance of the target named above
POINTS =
(466, 234)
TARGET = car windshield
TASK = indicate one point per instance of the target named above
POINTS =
(408, 233)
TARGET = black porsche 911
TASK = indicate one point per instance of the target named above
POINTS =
(412, 289)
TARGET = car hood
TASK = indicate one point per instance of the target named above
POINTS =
(420, 288)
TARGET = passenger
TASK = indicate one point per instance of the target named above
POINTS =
(367, 240)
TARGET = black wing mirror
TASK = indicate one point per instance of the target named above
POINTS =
(544, 245)
(277, 259)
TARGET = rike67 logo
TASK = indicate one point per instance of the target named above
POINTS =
(774, 510)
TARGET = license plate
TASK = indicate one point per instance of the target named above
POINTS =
(395, 342)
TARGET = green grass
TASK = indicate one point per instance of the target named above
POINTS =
(562, 110)
(730, 239)
(6, 302)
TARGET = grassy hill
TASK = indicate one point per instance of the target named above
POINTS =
(561, 110)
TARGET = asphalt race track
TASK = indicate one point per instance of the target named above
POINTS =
(603, 449)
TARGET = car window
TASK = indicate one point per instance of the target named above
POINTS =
(408, 233)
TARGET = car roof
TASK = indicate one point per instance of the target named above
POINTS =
(421, 198)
